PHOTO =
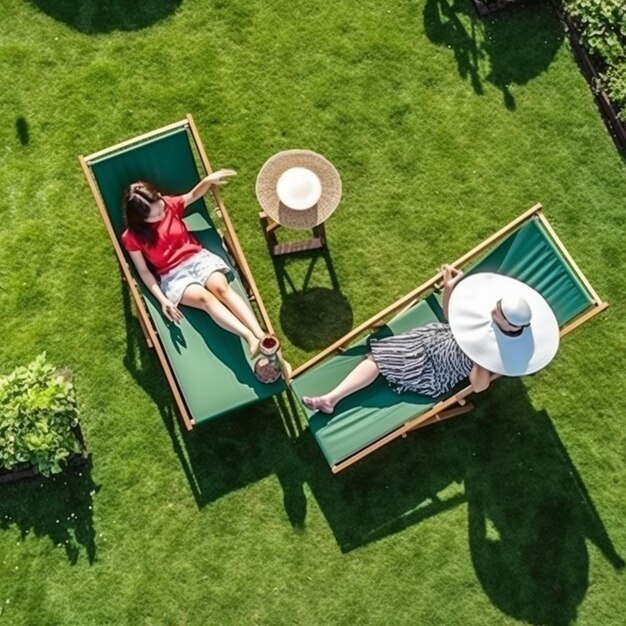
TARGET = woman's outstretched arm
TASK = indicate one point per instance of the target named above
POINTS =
(480, 378)
(451, 276)
(216, 178)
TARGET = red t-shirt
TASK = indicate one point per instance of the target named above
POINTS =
(173, 243)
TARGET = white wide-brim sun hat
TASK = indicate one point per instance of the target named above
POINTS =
(299, 188)
(470, 309)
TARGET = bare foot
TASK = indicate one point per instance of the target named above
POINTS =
(254, 346)
(319, 403)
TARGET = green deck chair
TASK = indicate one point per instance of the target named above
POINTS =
(526, 249)
(207, 368)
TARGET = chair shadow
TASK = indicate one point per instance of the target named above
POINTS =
(388, 492)
(312, 317)
(517, 45)
(228, 454)
(529, 512)
(59, 507)
(93, 17)
(221, 455)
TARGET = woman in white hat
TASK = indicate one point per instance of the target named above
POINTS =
(489, 334)
(158, 242)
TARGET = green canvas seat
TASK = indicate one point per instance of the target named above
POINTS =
(210, 371)
(530, 255)
(528, 252)
(371, 413)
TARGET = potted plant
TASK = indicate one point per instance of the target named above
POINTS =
(39, 429)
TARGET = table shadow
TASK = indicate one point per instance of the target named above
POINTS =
(312, 317)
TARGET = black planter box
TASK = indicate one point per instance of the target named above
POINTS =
(615, 125)
(26, 472)
(484, 8)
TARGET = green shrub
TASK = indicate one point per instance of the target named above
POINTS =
(603, 26)
(37, 414)
(616, 87)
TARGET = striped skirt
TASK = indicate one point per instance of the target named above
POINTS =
(426, 360)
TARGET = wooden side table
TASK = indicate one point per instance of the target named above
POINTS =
(269, 226)
(276, 215)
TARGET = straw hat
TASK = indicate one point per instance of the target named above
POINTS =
(469, 311)
(298, 188)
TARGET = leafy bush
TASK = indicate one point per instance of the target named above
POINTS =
(616, 87)
(37, 414)
(603, 26)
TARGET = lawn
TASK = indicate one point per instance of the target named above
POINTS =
(443, 129)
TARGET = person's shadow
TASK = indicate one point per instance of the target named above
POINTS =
(59, 507)
(94, 16)
(510, 49)
(529, 513)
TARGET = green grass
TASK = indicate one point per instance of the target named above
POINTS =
(443, 129)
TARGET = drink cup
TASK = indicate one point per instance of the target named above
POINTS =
(269, 345)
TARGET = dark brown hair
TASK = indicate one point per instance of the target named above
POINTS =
(136, 208)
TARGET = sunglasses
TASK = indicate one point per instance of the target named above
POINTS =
(509, 333)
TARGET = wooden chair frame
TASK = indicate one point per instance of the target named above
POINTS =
(458, 403)
(228, 236)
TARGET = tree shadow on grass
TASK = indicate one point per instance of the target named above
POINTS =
(518, 45)
(97, 16)
(529, 512)
(224, 454)
(59, 507)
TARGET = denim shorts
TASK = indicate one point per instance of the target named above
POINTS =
(195, 270)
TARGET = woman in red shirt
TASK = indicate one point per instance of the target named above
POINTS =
(158, 242)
